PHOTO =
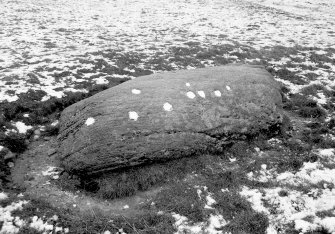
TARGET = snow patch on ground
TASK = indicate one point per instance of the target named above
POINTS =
(184, 226)
(287, 203)
(11, 224)
(3, 196)
(21, 127)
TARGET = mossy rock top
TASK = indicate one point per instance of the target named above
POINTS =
(166, 116)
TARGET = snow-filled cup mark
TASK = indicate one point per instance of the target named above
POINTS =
(133, 115)
(167, 106)
(136, 91)
(201, 94)
(190, 95)
(89, 121)
(228, 88)
(217, 93)
(188, 84)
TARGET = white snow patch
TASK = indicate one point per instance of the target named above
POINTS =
(232, 159)
(54, 123)
(136, 91)
(190, 95)
(3, 196)
(1, 147)
(11, 225)
(21, 127)
(133, 115)
(50, 171)
(26, 115)
(184, 226)
(215, 222)
(90, 121)
(45, 98)
(282, 61)
(327, 152)
(255, 198)
(201, 94)
(320, 52)
(210, 201)
(304, 226)
(309, 173)
(217, 93)
(167, 106)
(38, 224)
(100, 80)
(320, 99)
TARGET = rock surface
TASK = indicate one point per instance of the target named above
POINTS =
(166, 116)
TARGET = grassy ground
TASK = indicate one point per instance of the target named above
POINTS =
(240, 191)
(182, 179)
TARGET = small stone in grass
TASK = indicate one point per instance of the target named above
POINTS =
(10, 164)
(37, 132)
(9, 155)
(125, 207)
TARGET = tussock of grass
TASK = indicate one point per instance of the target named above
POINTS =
(128, 182)
(14, 142)
(304, 107)
(223, 179)
(285, 74)
(320, 58)
(4, 169)
(248, 222)
(35, 207)
(243, 219)
(278, 52)
(181, 199)
(96, 222)
(314, 89)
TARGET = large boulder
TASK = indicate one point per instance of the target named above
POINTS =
(166, 116)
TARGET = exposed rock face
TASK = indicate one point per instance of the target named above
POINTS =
(167, 115)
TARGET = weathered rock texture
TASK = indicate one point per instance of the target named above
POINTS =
(179, 114)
